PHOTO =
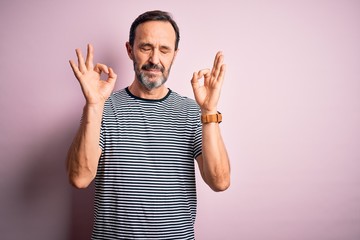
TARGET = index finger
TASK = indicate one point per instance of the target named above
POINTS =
(75, 69)
(89, 57)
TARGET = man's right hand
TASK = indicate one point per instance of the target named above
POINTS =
(95, 90)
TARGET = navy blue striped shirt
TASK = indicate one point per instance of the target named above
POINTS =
(145, 184)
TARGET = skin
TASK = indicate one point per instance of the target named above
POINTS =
(154, 45)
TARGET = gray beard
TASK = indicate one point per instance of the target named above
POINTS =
(149, 85)
(145, 81)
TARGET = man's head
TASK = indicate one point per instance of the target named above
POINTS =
(155, 15)
(153, 44)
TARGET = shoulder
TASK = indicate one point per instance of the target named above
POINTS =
(117, 97)
(115, 101)
(183, 105)
(183, 99)
(118, 94)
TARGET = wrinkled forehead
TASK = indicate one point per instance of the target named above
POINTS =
(156, 32)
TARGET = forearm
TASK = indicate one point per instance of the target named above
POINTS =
(215, 163)
(84, 153)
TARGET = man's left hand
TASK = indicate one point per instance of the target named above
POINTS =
(207, 94)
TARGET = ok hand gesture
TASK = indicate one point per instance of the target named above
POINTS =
(208, 94)
(95, 90)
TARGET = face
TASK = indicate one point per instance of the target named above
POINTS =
(153, 53)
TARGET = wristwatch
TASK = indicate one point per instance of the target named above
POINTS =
(216, 118)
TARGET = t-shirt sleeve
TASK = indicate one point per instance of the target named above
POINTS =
(198, 138)
(102, 138)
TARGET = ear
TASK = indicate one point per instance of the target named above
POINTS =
(129, 50)
(177, 50)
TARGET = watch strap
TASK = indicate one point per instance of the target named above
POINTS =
(216, 118)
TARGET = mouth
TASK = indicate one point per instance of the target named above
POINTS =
(152, 68)
(152, 75)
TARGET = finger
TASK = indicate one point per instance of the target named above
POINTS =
(112, 75)
(81, 64)
(206, 74)
(203, 73)
(75, 69)
(195, 81)
(219, 59)
(221, 76)
(198, 75)
(218, 55)
(89, 57)
(101, 68)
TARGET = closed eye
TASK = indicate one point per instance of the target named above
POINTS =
(146, 47)
(165, 50)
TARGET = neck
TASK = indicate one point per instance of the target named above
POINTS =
(138, 90)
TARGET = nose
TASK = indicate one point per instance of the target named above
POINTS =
(154, 58)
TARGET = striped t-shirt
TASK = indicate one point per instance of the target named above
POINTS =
(145, 184)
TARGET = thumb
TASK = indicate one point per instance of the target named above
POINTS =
(195, 81)
(101, 68)
(112, 75)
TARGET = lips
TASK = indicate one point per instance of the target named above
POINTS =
(154, 71)
(153, 68)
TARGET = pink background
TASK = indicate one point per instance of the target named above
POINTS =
(291, 105)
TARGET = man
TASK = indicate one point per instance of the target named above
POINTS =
(139, 143)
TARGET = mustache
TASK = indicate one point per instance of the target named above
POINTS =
(151, 66)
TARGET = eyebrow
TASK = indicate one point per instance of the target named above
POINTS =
(146, 44)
